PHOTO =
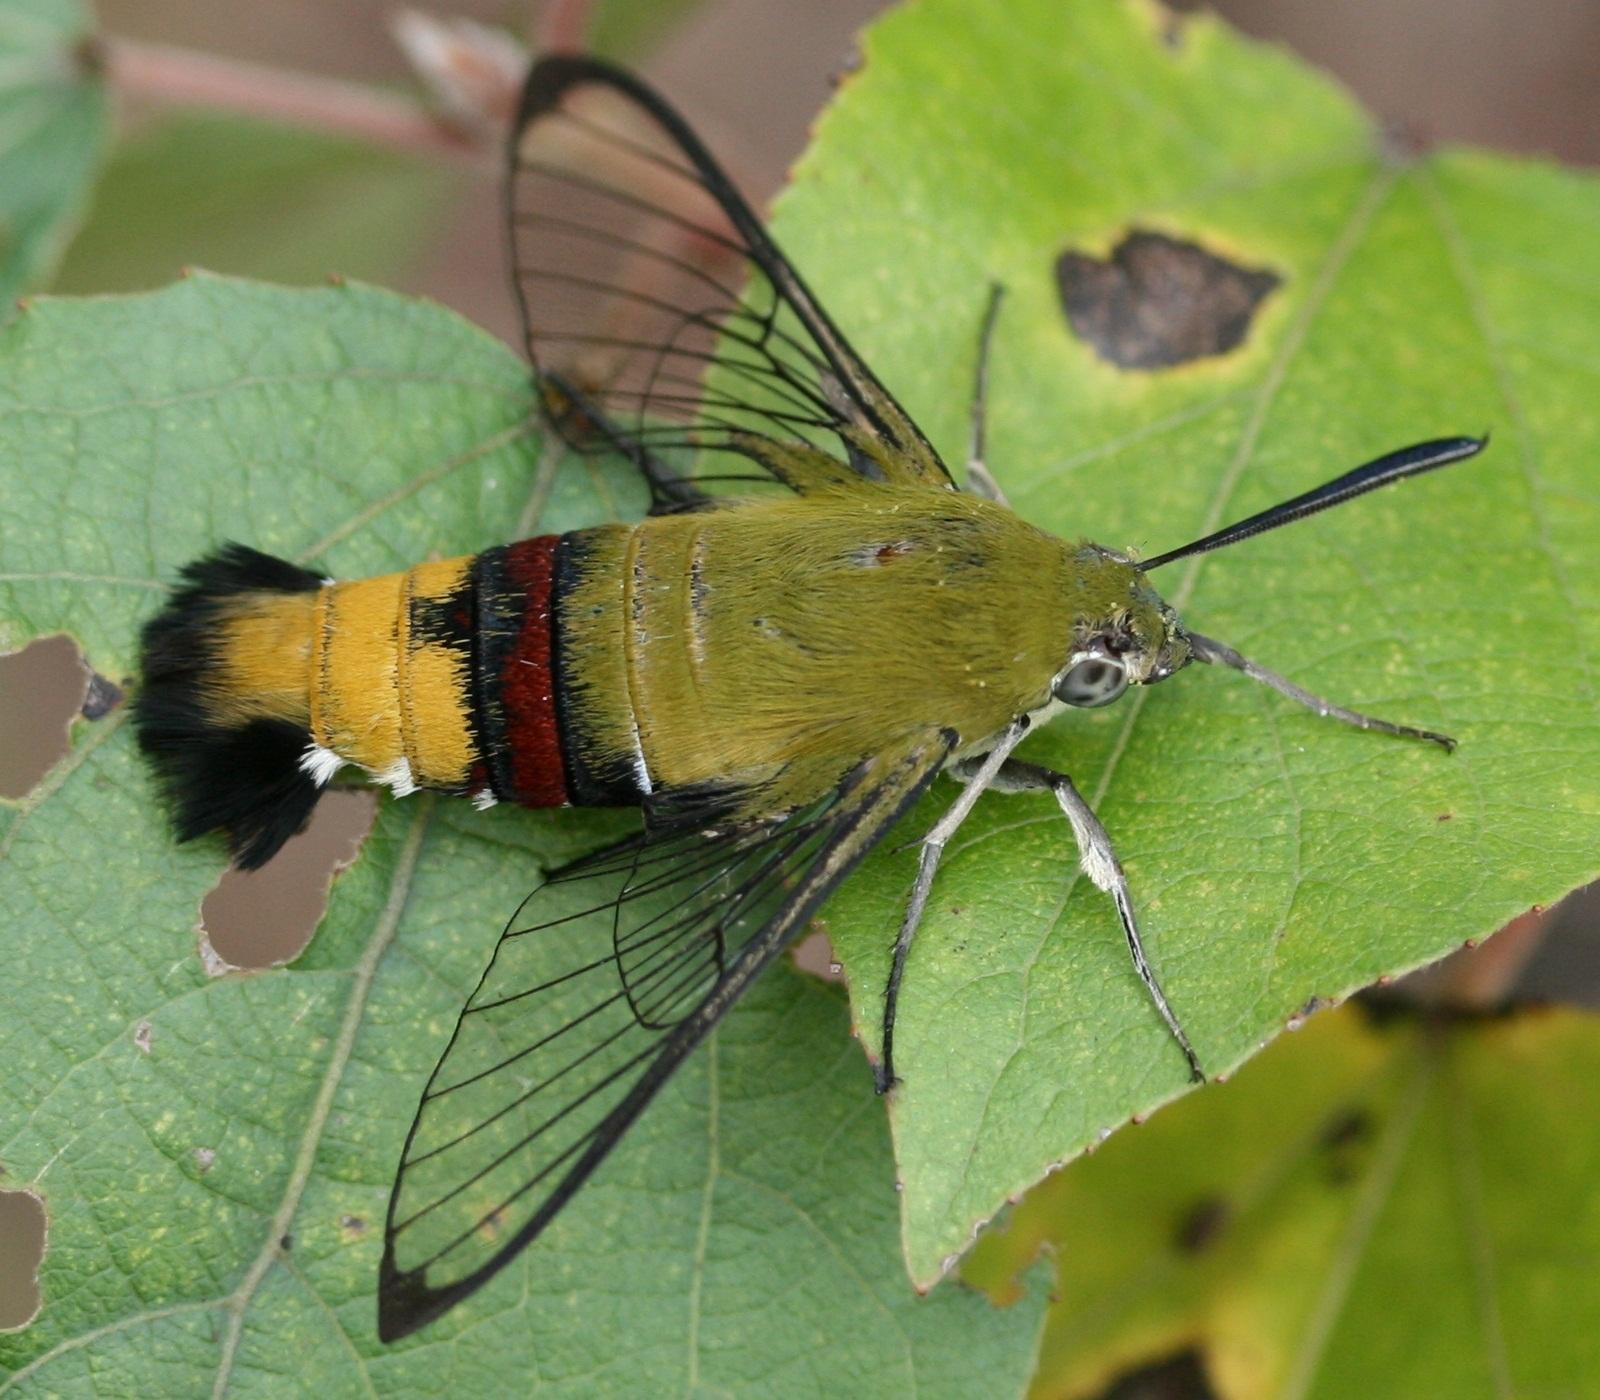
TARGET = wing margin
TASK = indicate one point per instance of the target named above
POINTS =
(872, 798)
(583, 112)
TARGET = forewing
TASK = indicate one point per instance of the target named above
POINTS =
(609, 975)
(663, 319)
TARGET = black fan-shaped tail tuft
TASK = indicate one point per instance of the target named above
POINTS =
(240, 775)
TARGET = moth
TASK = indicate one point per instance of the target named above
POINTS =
(812, 625)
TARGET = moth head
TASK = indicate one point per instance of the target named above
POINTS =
(1123, 632)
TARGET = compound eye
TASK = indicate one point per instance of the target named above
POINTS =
(1096, 680)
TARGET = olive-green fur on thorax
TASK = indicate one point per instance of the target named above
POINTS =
(771, 643)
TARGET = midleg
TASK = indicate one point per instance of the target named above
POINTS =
(979, 772)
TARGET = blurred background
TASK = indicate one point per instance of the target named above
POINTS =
(752, 73)
(205, 186)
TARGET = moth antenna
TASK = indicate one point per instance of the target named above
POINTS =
(1392, 466)
(1216, 654)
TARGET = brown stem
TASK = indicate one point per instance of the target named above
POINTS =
(184, 77)
(564, 26)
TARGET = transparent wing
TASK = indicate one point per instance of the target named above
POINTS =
(663, 319)
(609, 974)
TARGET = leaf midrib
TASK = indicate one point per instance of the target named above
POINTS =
(383, 933)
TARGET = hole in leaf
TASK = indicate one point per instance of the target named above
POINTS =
(42, 690)
(264, 918)
(814, 954)
(22, 1240)
(1179, 1377)
(1157, 301)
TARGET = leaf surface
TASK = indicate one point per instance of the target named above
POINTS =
(1274, 857)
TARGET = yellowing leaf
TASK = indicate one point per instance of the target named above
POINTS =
(1394, 1210)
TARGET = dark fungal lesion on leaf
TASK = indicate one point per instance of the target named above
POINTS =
(1179, 1376)
(1342, 1141)
(1201, 1224)
(1157, 301)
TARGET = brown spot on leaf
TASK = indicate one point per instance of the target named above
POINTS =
(143, 1034)
(1202, 1223)
(1159, 301)
(1342, 1139)
(1178, 1377)
(204, 1159)
(352, 1228)
(22, 1241)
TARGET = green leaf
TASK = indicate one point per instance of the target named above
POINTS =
(254, 198)
(215, 1154)
(1394, 1210)
(53, 130)
(1274, 857)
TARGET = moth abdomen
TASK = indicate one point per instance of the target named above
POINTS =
(262, 681)
(222, 711)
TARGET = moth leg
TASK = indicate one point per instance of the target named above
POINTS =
(1104, 870)
(977, 775)
(980, 480)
